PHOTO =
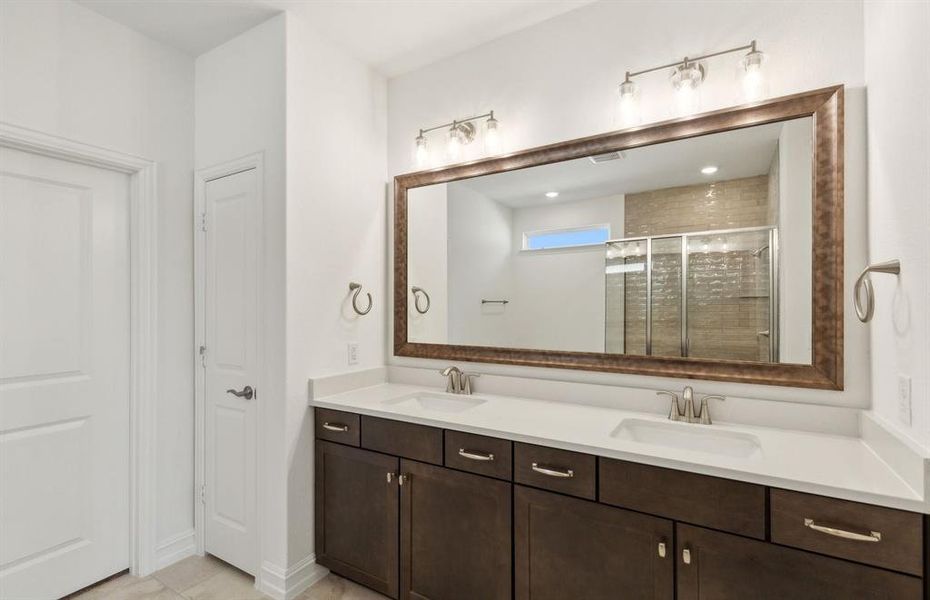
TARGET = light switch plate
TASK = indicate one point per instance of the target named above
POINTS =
(904, 399)
(352, 353)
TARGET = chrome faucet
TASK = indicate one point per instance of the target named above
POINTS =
(678, 413)
(458, 382)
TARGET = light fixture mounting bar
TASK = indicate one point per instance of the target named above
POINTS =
(751, 46)
(489, 115)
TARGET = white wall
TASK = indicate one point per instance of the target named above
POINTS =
(795, 241)
(336, 206)
(428, 263)
(558, 80)
(240, 110)
(563, 289)
(67, 71)
(479, 267)
(899, 206)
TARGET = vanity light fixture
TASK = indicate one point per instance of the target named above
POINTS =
(687, 76)
(709, 170)
(552, 194)
(460, 132)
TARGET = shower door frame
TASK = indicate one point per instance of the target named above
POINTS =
(772, 276)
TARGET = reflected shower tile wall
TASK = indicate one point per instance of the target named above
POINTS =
(727, 292)
(719, 205)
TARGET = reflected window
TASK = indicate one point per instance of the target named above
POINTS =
(569, 237)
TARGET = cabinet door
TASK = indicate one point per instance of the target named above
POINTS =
(569, 548)
(454, 535)
(720, 566)
(356, 515)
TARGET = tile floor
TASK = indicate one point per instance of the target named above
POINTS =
(208, 578)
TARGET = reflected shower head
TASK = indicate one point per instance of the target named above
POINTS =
(757, 252)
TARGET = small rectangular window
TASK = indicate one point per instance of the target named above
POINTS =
(569, 237)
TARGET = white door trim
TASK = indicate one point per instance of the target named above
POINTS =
(143, 330)
(201, 177)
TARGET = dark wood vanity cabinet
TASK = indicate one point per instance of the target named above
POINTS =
(570, 548)
(357, 505)
(455, 535)
(422, 513)
(720, 566)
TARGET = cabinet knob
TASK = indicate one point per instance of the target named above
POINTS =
(661, 549)
(401, 479)
(686, 556)
(390, 477)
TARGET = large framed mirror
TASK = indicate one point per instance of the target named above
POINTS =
(708, 247)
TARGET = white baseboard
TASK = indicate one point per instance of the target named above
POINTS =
(175, 548)
(287, 584)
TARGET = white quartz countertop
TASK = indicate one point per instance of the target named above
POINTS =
(830, 465)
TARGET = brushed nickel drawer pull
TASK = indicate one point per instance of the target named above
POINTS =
(475, 455)
(872, 536)
(335, 426)
(553, 471)
(686, 556)
(402, 478)
(661, 549)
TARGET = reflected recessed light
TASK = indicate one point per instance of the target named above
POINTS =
(709, 170)
(552, 194)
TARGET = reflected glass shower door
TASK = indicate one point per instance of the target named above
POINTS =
(729, 285)
(666, 337)
(627, 294)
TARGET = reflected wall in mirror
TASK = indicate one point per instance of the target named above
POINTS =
(679, 249)
(687, 249)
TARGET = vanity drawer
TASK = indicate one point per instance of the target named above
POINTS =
(563, 471)
(847, 529)
(336, 426)
(723, 504)
(479, 454)
(407, 440)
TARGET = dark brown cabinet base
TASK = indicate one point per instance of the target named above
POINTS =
(454, 535)
(567, 548)
(729, 567)
(356, 515)
(416, 518)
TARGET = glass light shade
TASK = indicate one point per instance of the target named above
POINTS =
(686, 79)
(421, 153)
(454, 145)
(492, 137)
(753, 76)
(629, 104)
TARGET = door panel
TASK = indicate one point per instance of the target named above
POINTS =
(570, 548)
(356, 515)
(231, 363)
(64, 375)
(728, 567)
(455, 535)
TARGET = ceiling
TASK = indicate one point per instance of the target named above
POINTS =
(397, 36)
(191, 26)
(740, 153)
(393, 36)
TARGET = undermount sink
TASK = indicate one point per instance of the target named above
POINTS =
(446, 403)
(687, 436)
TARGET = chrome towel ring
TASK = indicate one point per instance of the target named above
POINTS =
(865, 313)
(416, 299)
(357, 288)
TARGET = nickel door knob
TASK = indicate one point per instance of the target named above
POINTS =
(247, 392)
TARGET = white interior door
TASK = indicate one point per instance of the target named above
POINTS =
(231, 363)
(64, 375)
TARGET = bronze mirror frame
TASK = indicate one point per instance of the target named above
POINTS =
(825, 372)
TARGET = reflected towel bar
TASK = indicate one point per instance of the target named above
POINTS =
(483, 301)
(865, 313)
